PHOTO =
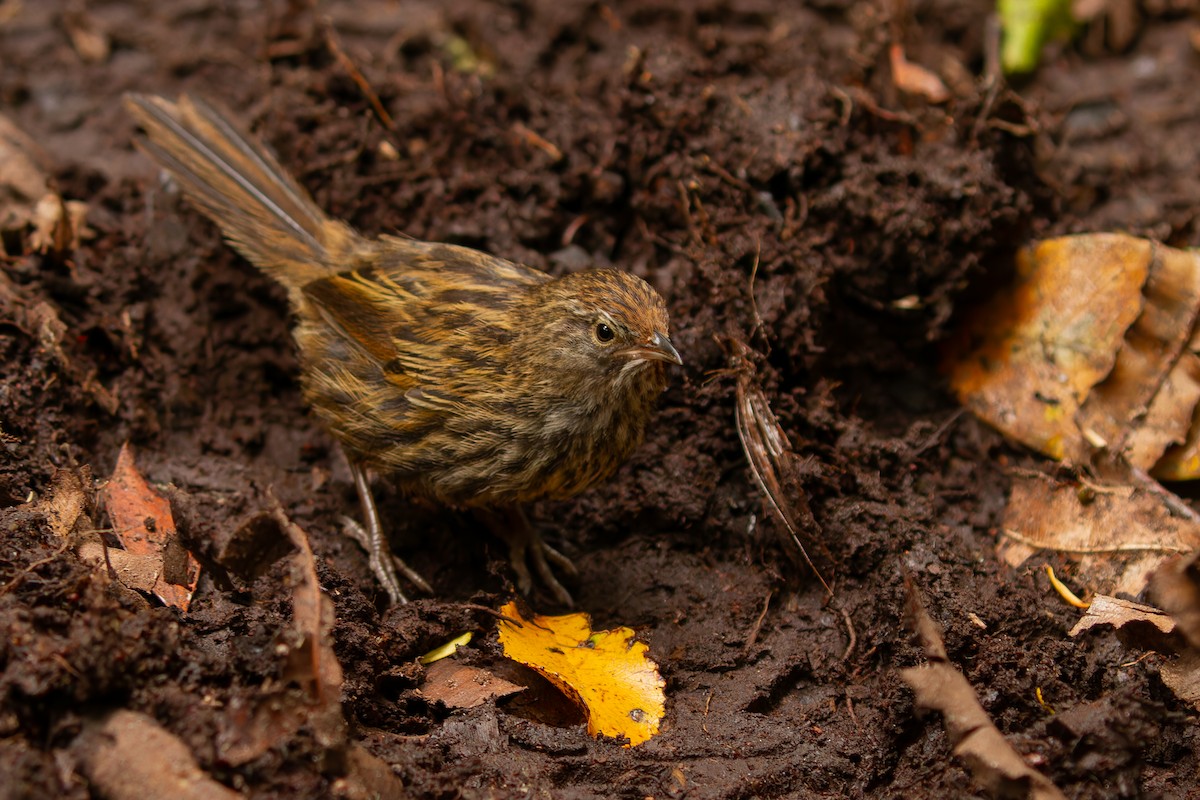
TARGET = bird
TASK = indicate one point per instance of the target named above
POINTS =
(461, 377)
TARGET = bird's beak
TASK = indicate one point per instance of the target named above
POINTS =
(659, 348)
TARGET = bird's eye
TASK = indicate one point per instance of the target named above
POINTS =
(604, 334)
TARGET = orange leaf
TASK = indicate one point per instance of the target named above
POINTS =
(143, 524)
(606, 672)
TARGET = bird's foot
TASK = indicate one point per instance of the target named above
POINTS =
(379, 554)
(383, 563)
(526, 547)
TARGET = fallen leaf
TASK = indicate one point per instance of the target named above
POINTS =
(1150, 349)
(1027, 361)
(772, 463)
(1117, 534)
(24, 176)
(1176, 587)
(67, 500)
(1182, 676)
(1148, 628)
(461, 686)
(1095, 348)
(939, 686)
(1117, 613)
(310, 693)
(607, 673)
(126, 755)
(138, 572)
(143, 524)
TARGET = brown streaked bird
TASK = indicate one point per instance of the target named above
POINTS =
(464, 378)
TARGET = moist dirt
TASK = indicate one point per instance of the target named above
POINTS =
(756, 163)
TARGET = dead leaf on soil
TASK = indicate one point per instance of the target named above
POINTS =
(607, 673)
(1118, 613)
(28, 202)
(129, 756)
(1095, 348)
(143, 524)
(67, 501)
(939, 686)
(461, 686)
(1148, 628)
(772, 462)
(1117, 534)
(1176, 587)
(310, 693)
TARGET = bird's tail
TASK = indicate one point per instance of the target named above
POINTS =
(240, 186)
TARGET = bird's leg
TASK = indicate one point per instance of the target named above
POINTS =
(525, 545)
(383, 563)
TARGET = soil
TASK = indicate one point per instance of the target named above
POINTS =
(757, 164)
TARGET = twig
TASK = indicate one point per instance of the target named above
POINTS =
(752, 637)
(335, 48)
(850, 633)
(1135, 547)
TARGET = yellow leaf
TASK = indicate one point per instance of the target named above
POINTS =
(606, 672)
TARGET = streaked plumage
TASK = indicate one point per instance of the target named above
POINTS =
(465, 378)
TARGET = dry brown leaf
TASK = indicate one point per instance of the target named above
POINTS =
(772, 464)
(1176, 587)
(24, 171)
(1150, 349)
(67, 500)
(1117, 613)
(915, 79)
(143, 524)
(1094, 348)
(1117, 534)
(129, 756)
(939, 686)
(1182, 676)
(138, 572)
(1161, 439)
(461, 686)
(1148, 628)
(313, 664)
(1026, 363)
(310, 694)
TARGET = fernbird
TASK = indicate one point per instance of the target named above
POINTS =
(466, 379)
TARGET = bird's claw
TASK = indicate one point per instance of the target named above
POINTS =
(525, 546)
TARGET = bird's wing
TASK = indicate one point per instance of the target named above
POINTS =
(418, 310)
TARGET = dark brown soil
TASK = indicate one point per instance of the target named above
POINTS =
(696, 139)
